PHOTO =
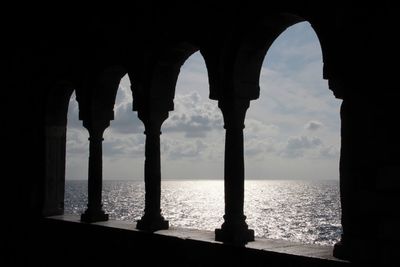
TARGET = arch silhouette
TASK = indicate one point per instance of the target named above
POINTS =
(358, 46)
(250, 50)
(90, 110)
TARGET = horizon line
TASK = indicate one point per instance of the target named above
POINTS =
(207, 179)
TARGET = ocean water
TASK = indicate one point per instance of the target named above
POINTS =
(300, 211)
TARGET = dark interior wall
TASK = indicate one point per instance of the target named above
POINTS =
(23, 149)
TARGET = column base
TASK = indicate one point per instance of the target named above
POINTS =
(341, 251)
(94, 216)
(234, 235)
(152, 223)
(357, 249)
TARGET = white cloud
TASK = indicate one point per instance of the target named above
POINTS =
(124, 94)
(295, 48)
(187, 150)
(259, 138)
(123, 146)
(313, 125)
(73, 113)
(329, 152)
(288, 96)
(193, 75)
(303, 142)
(126, 121)
(77, 142)
(297, 146)
(254, 127)
(193, 116)
(258, 148)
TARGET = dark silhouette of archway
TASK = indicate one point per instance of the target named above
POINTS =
(44, 49)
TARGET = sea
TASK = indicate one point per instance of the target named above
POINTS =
(299, 211)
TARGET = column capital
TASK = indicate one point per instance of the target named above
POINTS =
(234, 111)
(96, 128)
(152, 120)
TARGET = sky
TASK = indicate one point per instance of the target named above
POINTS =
(291, 132)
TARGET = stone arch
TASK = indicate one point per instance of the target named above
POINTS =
(239, 70)
(246, 57)
(155, 76)
(95, 103)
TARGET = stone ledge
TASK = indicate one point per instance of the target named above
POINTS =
(267, 250)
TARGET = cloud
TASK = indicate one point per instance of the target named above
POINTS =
(77, 142)
(125, 120)
(258, 148)
(193, 117)
(257, 128)
(193, 76)
(124, 146)
(114, 145)
(329, 152)
(291, 96)
(294, 49)
(73, 113)
(292, 88)
(259, 138)
(303, 142)
(313, 125)
(296, 146)
(124, 93)
(176, 149)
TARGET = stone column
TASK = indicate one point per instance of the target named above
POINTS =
(234, 229)
(152, 219)
(359, 159)
(94, 211)
(55, 170)
(347, 184)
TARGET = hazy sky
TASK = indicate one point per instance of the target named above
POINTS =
(292, 130)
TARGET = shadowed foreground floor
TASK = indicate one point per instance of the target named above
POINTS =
(63, 239)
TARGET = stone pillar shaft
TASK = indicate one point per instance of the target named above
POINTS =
(95, 173)
(234, 174)
(234, 229)
(95, 212)
(152, 173)
(359, 165)
(55, 171)
(152, 219)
